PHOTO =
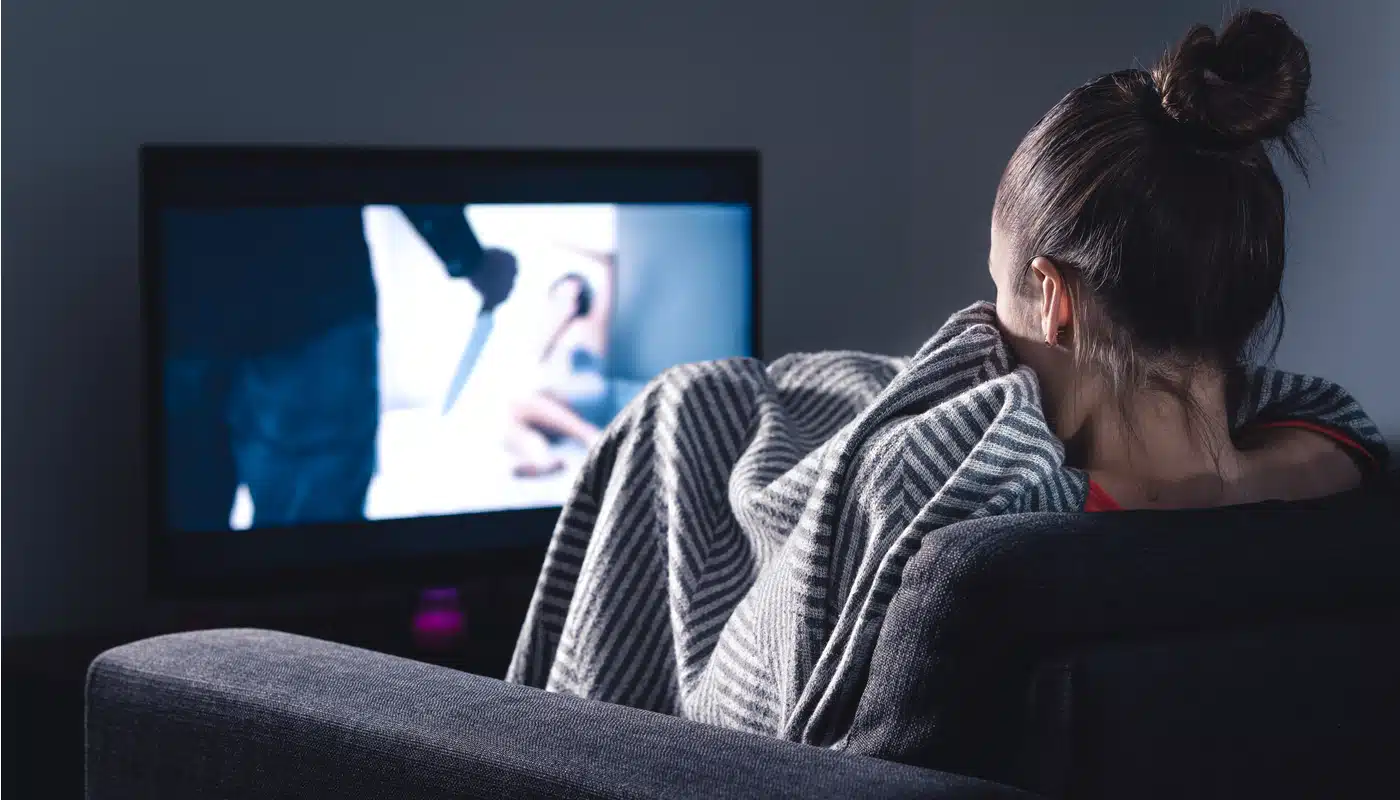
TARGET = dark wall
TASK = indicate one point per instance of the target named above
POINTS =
(884, 126)
(824, 95)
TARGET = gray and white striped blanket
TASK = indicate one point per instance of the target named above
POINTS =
(731, 546)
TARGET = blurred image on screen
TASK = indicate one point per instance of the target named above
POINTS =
(342, 363)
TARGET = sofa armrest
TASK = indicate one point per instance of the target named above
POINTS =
(253, 714)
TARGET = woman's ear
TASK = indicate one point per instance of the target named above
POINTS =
(1056, 312)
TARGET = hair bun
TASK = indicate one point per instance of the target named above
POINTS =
(1246, 85)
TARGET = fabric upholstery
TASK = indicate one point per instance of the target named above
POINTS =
(256, 714)
(1002, 629)
(1297, 709)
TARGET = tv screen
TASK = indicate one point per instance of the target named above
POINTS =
(391, 364)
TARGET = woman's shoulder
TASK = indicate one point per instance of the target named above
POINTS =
(1263, 397)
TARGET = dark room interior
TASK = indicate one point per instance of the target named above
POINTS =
(841, 160)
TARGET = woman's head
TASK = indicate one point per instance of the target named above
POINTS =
(1138, 232)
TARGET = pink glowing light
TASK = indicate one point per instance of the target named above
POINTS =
(439, 622)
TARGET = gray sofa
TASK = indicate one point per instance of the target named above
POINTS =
(1240, 652)
(257, 714)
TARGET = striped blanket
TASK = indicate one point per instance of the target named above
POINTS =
(731, 546)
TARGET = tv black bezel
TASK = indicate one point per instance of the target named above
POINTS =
(168, 577)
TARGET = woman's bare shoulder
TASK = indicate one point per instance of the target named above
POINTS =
(1295, 464)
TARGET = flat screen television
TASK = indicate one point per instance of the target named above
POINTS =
(387, 365)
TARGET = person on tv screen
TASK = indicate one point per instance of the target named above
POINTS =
(271, 368)
(569, 400)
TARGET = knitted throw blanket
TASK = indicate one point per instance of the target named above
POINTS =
(731, 546)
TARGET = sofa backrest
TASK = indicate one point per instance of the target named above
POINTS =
(1144, 654)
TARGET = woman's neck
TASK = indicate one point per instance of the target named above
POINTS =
(1162, 450)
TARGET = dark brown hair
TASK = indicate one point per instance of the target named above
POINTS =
(1154, 194)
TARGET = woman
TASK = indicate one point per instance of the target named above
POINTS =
(1138, 248)
(731, 546)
